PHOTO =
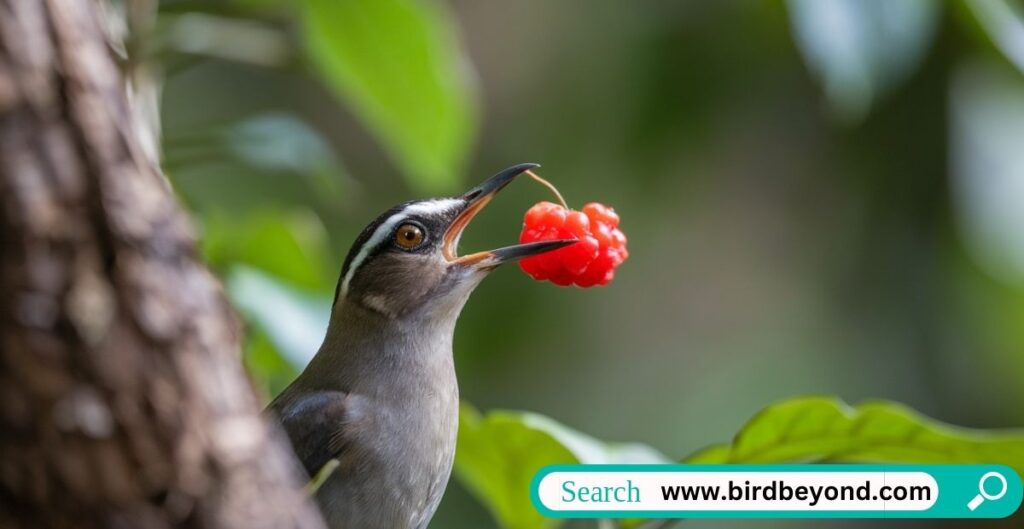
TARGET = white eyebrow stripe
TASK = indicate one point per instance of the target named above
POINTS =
(385, 228)
(378, 235)
(432, 206)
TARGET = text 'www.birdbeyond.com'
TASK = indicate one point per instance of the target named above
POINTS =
(775, 490)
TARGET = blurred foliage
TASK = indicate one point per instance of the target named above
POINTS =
(399, 66)
(987, 111)
(775, 251)
(265, 364)
(1003, 23)
(290, 246)
(499, 454)
(862, 48)
(279, 142)
(293, 320)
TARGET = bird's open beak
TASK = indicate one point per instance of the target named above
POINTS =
(475, 200)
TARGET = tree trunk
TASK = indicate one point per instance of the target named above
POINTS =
(123, 402)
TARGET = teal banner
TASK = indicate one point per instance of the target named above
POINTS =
(777, 491)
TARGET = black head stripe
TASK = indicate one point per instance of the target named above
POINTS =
(434, 221)
(362, 239)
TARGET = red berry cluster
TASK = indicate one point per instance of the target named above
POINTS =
(591, 261)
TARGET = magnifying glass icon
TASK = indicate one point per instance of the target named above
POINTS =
(982, 495)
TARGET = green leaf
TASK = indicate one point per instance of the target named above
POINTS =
(827, 430)
(497, 457)
(293, 320)
(292, 246)
(824, 429)
(859, 49)
(587, 449)
(499, 454)
(399, 65)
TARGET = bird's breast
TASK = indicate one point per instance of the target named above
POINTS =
(419, 435)
(399, 455)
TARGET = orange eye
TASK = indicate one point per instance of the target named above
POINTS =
(409, 236)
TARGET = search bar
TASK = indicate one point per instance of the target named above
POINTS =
(777, 491)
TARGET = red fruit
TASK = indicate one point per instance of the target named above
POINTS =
(591, 261)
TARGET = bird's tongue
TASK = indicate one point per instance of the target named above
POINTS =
(451, 237)
(476, 199)
(490, 258)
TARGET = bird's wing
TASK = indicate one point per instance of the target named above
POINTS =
(316, 423)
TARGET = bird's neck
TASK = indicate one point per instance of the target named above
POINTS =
(367, 351)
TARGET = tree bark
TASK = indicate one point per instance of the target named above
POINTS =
(123, 402)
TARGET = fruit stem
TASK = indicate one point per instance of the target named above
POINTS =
(550, 186)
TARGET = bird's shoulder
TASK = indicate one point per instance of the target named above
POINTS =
(320, 423)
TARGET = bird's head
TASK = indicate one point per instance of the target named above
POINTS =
(405, 261)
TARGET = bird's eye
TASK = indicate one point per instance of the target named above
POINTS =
(409, 236)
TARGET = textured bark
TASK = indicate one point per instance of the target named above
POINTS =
(122, 399)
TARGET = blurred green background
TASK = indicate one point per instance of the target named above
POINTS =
(821, 196)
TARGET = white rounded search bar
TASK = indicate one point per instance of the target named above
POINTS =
(673, 491)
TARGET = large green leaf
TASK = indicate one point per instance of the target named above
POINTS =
(499, 454)
(496, 459)
(399, 66)
(825, 429)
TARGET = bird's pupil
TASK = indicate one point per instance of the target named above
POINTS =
(409, 236)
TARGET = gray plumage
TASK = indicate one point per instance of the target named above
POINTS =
(381, 396)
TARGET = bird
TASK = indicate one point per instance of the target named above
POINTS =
(380, 397)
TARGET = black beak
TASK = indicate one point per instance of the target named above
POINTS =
(496, 183)
(519, 251)
(475, 200)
